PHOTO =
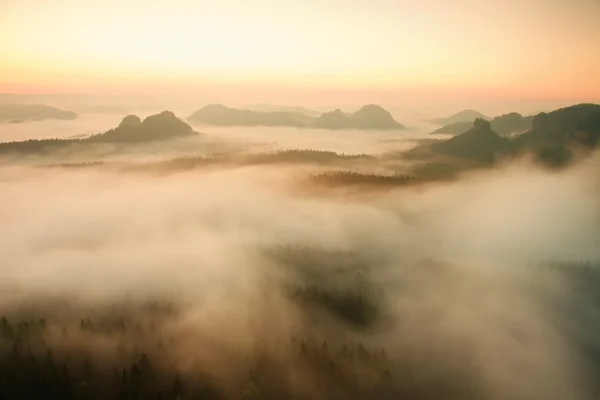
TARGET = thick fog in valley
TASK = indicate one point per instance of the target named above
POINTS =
(270, 254)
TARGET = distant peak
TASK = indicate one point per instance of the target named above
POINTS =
(371, 107)
(131, 120)
(162, 116)
(373, 111)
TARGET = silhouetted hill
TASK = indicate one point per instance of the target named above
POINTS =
(562, 126)
(466, 116)
(264, 107)
(32, 112)
(131, 130)
(512, 123)
(552, 139)
(333, 120)
(155, 127)
(503, 125)
(556, 134)
(479, 143)
(220, 115)
(589, 130)
(368, 117)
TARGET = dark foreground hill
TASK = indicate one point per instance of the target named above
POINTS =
(32, 112)
(576, 124)
(553, 139)
(557, 136)
(162, 126)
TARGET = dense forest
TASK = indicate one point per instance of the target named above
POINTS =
(285, 271)
(129, 351)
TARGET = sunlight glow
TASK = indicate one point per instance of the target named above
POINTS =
(381, 43)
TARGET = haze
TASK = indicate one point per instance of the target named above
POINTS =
(292, 50)
(303, 200)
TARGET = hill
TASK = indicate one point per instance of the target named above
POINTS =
(32, 112)
(220, 115)
(162, 126)
(563, 126)
(465, 116)
(480, 143)
(504, 125)
(367, 117)
(264, 107)
(555, 135)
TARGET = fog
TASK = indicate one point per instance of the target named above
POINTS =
(453, 274)
(84, 125)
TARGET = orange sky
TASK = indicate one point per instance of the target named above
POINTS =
(508, 47)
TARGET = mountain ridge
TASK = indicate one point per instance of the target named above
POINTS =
(16, 113)
(368, 117)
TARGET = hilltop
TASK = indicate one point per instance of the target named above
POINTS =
(465, 116)
(578, 123)
(556, 136)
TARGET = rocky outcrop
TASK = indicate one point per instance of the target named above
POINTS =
(164, 125)
(369, 117)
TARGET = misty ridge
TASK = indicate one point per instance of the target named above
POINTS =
(368, 117)
(165, 259)
(18, 113)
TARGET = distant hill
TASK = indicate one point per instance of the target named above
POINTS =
(162, 126)
(512, 123)
(504, 125)
(367, 117)
(333, 120)
(32, 112)
(455, 128)
(467, 116)
(220, 115)
(264, 107)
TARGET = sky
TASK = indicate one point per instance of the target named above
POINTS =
(539, 48)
